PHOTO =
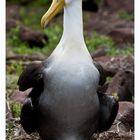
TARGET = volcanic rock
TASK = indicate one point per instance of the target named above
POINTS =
(122, 85)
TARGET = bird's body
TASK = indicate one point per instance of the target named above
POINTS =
(64, 115)
(68, 107)
(70, 98)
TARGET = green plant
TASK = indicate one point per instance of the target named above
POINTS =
(15, 68)
(125, 15)
(9, 126)
(96, 40)
(112, 51)
(54, 34)
(115, 94)
(16, 109)
(32, 2)
(29, 18)
(109, 78)
(13, 37)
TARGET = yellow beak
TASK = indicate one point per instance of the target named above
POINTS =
(55, 7)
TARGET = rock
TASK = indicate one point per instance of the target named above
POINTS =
(122, 85)
(122, 68)
(99, 52)
(103, 88)
(8, 113)
(20, 96)
(113, 135)
(33, 38)
(9, 52)
(127, 63)
(122, 35)
(109, 64)
(12, 11)
(112, 65)
(11, 23)
(123, 107)
(125, 118)
(105, 21)
(90, 5)
(25, 2)
(114, 5)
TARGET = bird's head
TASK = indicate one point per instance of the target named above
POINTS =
(56, 6)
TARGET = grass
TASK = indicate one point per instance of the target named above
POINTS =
(9, 128)
(30, 18)
(14, 68)
(95, 40)
(108, 78)
(31, 3)
(19, 47)
(54, 33)
(120, 51)
(125, 15)
(16, 109)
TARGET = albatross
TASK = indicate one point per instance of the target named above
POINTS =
(64, 103)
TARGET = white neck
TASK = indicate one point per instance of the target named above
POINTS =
(73, 21)
(72, 40)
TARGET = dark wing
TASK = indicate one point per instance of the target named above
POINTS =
(108, 104)
(28, 117)
(102, 73)
(108, 111)
(31, 77)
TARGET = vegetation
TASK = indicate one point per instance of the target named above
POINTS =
(33, 2)
(15, 68)
(125, 15)
(54, 33)
(20, 47)
(9, 127)
(16, 109)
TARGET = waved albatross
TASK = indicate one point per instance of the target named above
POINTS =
(64, 103)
